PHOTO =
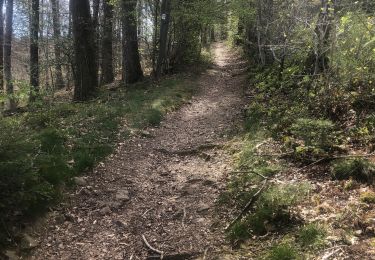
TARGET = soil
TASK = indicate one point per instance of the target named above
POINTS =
(159, 188)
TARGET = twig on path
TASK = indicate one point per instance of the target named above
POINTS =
(352, 156)
(183, 217)
(144, 214)
(248, 205)
(161, 253)
(273, 154)
(311, 164)
(191, 151)
(259, 174)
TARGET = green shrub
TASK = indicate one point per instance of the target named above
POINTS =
(358, 169)
(314, 133)
(368, 197)
(310, 234)
(239, 232)
(153, 116)
(282, 252)
(272, 209)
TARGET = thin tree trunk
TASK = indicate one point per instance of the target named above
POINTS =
(95, 22)
(57, 43)
(132, 70)
(107, 42)
(34, 50)
(8, 55)
(1, 47)
(322, 30)
(85, 68)
(155, 36)
(164, 27)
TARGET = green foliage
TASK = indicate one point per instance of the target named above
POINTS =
(319, 133)
(311, 235)
(358, 169)
(368, 197)
(239, 232)
(271, 209)
(282, 252)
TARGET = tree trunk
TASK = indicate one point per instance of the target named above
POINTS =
(95, 22)
(57, 43)
(155, 34)
(164, 27)
(85, 68)
(131, 66)
(34, 50)
(322, 30)
(8, 55)
(1, 47)
(107, 53)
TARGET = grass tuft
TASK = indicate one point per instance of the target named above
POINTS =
(310, 235)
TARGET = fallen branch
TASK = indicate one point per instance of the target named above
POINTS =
(191, 151)
(161, 253)
(274, 154)
(249, 204)
(259, 174)
(183, 218)
(352, 156)
(311, 164)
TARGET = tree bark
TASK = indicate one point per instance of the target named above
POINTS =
(57, 43)
(85, 68)
(34, 50)
(164, 27)
(131, 66)
(1, 47)
(95, 22)
(107, 42)
(155, 34)
(7, 55)
(322, 31)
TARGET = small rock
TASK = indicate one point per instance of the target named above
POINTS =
(11, 255)
(354, 240)
(28, 242)
(105, 210)
(86, 192)
(145, 133)
(205, 156)
(203, 208)
(358, 232)
(115, 205)
(334, 238)
(119, 223)
(80, 181)
(122, 195)
(69, 217)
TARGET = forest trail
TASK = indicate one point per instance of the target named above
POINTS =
(161, 187)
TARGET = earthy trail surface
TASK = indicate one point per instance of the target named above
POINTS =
(161, 188)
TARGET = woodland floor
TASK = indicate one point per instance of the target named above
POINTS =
(161, 187)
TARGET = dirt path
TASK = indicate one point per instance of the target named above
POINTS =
(162, 187)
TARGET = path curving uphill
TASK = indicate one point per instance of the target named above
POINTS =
(157, 192)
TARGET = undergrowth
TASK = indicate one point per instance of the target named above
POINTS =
(42, 149)
(289, 123)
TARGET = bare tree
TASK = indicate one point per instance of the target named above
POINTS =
(164, 27)
(85, 68)
(132, 70)
(7, 55)
(107, 41)
(1, 47)
(57, 43)
(34, 49)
